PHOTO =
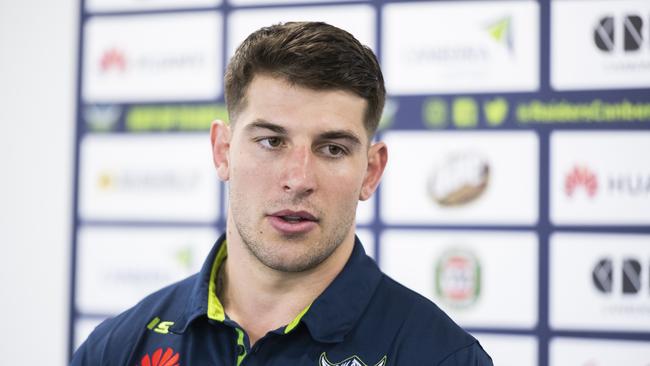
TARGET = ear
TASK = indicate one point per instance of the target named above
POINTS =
(377, 158)
(220, 139)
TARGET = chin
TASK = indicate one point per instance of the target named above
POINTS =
(291, 263)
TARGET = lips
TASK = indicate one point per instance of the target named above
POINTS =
(293, 222)
(295, 215)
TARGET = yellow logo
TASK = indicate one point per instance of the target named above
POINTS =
(158, 326)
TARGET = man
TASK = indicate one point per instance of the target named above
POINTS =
(289, 283)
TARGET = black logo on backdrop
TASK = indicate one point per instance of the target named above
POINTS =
(607, 28)
(603, 275)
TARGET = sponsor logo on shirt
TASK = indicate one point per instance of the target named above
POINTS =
(158, 358)
(158, 326)
(350, 361)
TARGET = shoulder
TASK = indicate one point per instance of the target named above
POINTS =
(114, 339)
(427, 335)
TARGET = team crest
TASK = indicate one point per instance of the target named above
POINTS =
(350, 361)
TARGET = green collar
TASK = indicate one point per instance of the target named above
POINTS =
(215, 307)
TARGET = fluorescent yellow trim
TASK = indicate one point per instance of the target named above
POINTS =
(215, 308)
(296, 320)
(240, 343)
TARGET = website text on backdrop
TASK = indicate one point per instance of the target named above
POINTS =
(289, 282)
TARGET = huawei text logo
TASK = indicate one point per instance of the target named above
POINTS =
(158, 358)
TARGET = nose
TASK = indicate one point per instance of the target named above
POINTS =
(299, 177)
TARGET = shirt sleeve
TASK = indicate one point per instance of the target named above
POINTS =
(80, 357)
(472, 355)
(91, 352)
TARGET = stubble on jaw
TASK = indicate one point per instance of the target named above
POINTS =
(267, 252)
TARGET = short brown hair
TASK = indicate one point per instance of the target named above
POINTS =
(315, 55)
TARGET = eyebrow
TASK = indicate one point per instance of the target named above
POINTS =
(260, 123)
(341, 134)
(328, 135)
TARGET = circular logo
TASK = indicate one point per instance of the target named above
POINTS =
(458, 278)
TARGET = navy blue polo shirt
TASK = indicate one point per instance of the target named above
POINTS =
(363, 318)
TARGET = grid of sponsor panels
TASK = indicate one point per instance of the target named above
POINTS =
(517, 195)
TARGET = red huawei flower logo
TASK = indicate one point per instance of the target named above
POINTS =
(581, 176)
(169, 358)
(113, 59)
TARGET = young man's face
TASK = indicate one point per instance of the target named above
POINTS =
(297, 161)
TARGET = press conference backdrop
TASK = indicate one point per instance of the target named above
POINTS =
(517, 194)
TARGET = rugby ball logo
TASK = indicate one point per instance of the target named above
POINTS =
(461, 179)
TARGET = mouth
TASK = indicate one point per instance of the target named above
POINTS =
(293, 222)
(294, 216)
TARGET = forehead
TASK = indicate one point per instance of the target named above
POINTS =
(278, 101)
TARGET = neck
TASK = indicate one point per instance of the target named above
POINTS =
(261, 299)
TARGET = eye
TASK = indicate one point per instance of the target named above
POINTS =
(333, 151)
(270, 142)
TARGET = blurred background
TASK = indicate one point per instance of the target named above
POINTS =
(517, 195)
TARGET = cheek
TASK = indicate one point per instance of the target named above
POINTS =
(345, 184)
(248, 182)
(252, 181)
(247, 165)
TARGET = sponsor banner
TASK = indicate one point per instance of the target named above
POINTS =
(596, 352)
(356, 19)
(481, 279)
(600, 177)
(600, 44)
(507, 350)
(82, 329)
(487, 47)
(174, 117)
(152, 118)
(164, 57)
(368, 241)
(592, 111)
(461, 178)
(102, 117)
(129, 5)
(118, 266)
(147, 178)
(600, 282)
(464, 112)
(471, 112)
